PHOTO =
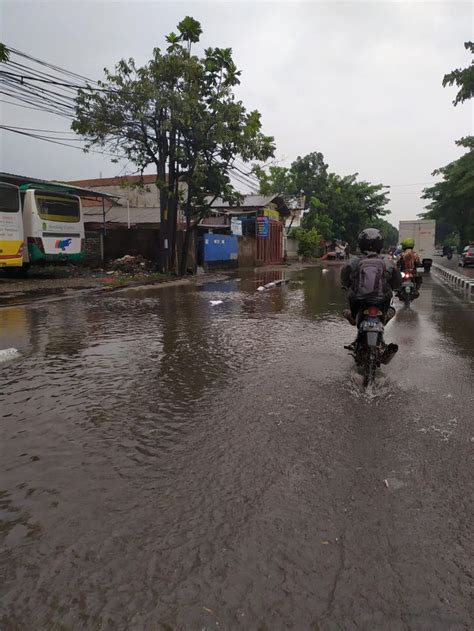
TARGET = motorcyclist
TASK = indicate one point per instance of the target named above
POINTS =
(409, 261)
(448, 252)
(370, 245)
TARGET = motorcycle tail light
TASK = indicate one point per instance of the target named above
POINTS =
(373, 311)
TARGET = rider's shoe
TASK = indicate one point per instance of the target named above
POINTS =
(389, 353)
(348, 315)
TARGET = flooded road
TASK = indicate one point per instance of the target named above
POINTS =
(167, 463)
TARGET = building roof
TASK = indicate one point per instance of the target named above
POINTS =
(116, 181)
(253, 202)
(20, 180)
(215, 222)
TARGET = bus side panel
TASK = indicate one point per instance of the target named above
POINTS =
(11, 238)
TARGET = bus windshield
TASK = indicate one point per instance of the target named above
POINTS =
(53, 207)
(9, 199)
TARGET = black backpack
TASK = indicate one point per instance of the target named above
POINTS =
(370, 281)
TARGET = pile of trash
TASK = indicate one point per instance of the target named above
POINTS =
(129, 264)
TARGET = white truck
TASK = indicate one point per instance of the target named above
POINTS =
(422, 231)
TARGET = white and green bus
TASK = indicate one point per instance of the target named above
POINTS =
(53, 225)
(11, 227)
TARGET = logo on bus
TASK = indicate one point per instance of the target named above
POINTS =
(62, 244)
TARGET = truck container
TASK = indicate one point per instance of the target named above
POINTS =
(422, 231)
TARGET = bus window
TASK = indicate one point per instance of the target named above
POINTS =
(53, 207)
(9, 202)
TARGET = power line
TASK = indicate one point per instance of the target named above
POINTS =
(27, 107)
(56, 142)
(23, 77)
(49, 65)
(49, 131)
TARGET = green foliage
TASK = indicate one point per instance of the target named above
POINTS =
(309, 242)
(452, 240)
(4, 53)
(177, 113)
(305, 177)
(319, 219)
(390, 233)
(339, 207)
(463, 78)
(452, 198)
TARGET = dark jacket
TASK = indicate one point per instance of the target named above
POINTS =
(349, 273)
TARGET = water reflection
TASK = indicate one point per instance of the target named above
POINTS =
(323, 295)
(455, 317)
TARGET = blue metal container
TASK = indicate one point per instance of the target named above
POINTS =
(220, 247)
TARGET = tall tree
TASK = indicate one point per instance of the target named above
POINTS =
(179, 114)
(463, 78)
(4, 53)
(452, 198)
(307, 177)
(389, 232)
(338, 207)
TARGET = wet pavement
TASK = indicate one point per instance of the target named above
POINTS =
(168, 464)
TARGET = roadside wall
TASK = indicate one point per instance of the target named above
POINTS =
(94, 248)
(134, 241)
(247, 252)
(291, 248)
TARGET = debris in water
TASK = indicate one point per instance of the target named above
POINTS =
(216, 302)
(8, 353)
(386, 483)
(274, 283)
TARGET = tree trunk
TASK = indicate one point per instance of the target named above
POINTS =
(188, 234)
(173, 175)
(164, 232)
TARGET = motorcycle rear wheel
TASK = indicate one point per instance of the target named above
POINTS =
(370, 366)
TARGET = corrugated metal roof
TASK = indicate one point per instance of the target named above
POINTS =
(249, 200)
(19, 180)
(115, 181)
(254, 202)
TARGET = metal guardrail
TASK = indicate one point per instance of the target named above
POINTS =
(459, 281)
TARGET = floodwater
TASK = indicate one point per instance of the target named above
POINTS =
(171, 464)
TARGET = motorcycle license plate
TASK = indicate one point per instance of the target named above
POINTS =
(408, 289)
(372, 325)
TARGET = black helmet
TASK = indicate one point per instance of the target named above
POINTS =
(370, 240)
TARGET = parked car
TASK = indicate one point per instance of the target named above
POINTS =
(467, 256)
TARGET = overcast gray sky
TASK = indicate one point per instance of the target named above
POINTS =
(358, 81)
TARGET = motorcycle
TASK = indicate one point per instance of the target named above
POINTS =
(408, 290)
(370, 350)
